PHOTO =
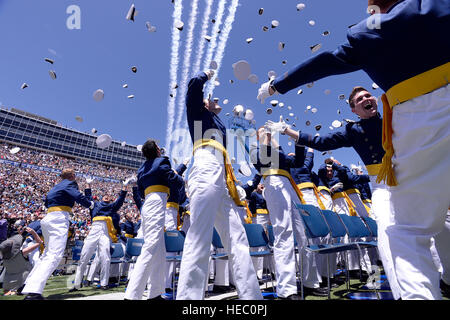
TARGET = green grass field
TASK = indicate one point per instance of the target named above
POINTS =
(57, 288)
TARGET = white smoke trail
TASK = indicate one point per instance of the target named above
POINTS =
(225, 32)
(178, 8)
(228, 24)
(214, 34)
(201, 39)
(181, 97)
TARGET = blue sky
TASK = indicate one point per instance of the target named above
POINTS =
(101, 53)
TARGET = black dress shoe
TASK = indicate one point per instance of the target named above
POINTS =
(354, 274)
(156, 298)
(73, 289)
(104, 287)
(318, 292)
(221, 289)
(34, 296)
(293, 296)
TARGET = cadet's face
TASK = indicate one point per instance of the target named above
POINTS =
(329, 173)
(365, 105)
(260, 188)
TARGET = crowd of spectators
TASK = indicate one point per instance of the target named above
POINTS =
(23, 189)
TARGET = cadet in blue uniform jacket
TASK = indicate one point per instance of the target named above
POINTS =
(403, 49)
(211, 183)
(255, 199)
(177, 196)
(105, 208)
(55, 225)
(154, 178)
(104, 230)
(280, 192)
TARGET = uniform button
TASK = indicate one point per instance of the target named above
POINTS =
(366, 139)
(370, 147)
(373, 156)
(374, 161)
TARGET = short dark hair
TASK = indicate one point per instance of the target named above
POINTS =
(383, 4)
(355, 90)
(329, 161)
(150, 149)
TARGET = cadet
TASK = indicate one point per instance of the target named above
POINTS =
(104, 229)
(280, 191)
(55, 226)
(213, 202)
(153, 180)
(396, 47)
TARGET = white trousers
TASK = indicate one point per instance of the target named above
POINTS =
(55, 227)
(382, 212)
(441, 243)
(170, 224)
(98, 238)
(421, 199)
(287, 224)
(327, 200)
(151, 263)
(211, 205)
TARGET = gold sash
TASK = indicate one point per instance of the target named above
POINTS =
(59, 208)
(284, 173)
(316, 192)
(350, 204)
(111, 230)
(157, 188)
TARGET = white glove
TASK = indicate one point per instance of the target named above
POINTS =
(274, 127)
(130, 179)
(336, 186)
(209, 73)
(263, 91)
(89, 180)
(241, 193)
(186, 161)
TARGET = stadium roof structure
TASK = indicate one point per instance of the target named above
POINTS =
(33, 131)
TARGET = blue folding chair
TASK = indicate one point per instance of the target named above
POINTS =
(174, 241)
(270, 236)
(133, 249)
(217, 244)
(372, 225)
(258, 238)
(117, 257)
(357, 229)
(317, 227)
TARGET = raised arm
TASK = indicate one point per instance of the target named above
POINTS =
(119, 202)
(340, 61)
(72, 190)
(137, 198)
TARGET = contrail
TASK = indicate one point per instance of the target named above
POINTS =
(225, 32)
(199, 55)
(214, 35)
(228, 24)
(178, 8)
(202, 41)
(212, 44)
(181, 97)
